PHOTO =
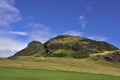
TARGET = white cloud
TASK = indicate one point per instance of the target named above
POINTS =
(38, 32)
(18, 33)
(74, 33)
(7, 43)
(7, 53)
(82, 17)
(9, 46)
(77, 33)
(98, 38)
(12, 2)
(82, 21)
(8, 12)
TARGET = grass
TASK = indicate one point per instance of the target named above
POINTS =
(32, 74)
(65, 39)
(102, 54)
(63, 51)
(64, 64)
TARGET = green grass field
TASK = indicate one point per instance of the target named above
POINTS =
(34, 74)
(64, 64)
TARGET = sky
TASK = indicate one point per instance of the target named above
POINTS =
(22, 21)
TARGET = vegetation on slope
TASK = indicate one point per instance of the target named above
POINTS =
(31, 74)
(65, 46)
(113, 56)
(63, 64)
(80, 47)
(33, 47)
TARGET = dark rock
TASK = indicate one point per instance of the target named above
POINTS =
(113, 57)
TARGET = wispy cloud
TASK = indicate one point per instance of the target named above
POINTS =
(11, 44)
(38, 32)
(9, 47)
(7, 53)
(77, 33)
(98, 38)
(74, 33)
(34, 31)
(18, 33)
(89, 6)
(8, 12)
(82, 21)
(87, 10)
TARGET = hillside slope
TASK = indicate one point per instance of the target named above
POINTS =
(66, 46)
(33, 47)
(74, 45)
(63, 64)
(113, 56)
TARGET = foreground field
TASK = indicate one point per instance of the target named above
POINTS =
(32, 74)
(64, 64)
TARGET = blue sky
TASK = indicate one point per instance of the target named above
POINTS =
(22, 21)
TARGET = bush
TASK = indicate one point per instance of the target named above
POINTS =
(57, 55)
(79, 55)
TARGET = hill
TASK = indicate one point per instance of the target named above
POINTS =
(75, 46)
(33, 47)
(66, 46)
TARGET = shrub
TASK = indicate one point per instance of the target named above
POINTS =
(79, 55)
(57, 55)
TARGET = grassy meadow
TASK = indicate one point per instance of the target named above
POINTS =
(86, 65)
(34, 74)
(53, 68)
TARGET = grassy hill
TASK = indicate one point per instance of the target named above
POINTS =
(77, 44)
(85, 59)
(88, 65)
(65, 46)
(33, 47)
